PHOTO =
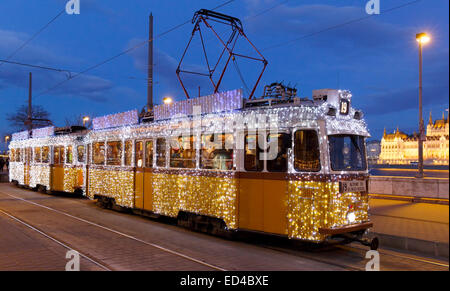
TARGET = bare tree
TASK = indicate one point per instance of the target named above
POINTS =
(78, 120)
(18, 119)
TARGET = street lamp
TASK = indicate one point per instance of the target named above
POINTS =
(422, 39)
(85, 120)
(167, 100)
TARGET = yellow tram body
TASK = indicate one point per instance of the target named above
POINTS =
(135, 165)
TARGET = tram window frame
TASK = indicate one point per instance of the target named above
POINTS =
(259, 165)
(285, 142)
(139, 154)
(83, 155)
(48, 156)
(116, 160)
(128, 153)
(185, 160)
(89, 154)
(318, 160)
(161, 157)
(98, 159)
(223, 149)
(69, 155)
(37, 155)
(28, 155)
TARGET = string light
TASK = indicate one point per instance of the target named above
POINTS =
(313, 199)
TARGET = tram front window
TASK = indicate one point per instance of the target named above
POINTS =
(347, 153)
(306, 151)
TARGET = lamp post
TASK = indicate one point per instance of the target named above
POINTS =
(422, 38)
(6, 142)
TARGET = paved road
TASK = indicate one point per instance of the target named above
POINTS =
(38, 229)
(408, 172)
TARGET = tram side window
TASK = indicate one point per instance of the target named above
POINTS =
(161, 152)
(37, 155)
(149, 153)
(306, 151)
(182, 152)
(277, 161)
(80, 154)
(217, 154)
(69, 155)
(45, 154)
(58, 157)
(99, 153)
(128, 152)
(252, 161)
(139, 152)
(114, 154)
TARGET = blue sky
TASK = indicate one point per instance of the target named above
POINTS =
(376, 58)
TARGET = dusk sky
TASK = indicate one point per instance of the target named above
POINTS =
(376, 58)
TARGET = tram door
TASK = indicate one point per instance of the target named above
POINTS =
(143, 198)
(139, 176)
(57, 176)
(148, 176)
(26, 168)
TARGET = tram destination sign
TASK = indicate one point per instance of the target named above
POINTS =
(352, 186)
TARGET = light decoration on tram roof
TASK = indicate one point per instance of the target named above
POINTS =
(116, 120)
(43, 132)
(215, 103)
(20, 135)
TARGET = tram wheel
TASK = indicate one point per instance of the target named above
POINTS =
(374, 244)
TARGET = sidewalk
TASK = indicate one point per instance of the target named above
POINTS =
(419, 227)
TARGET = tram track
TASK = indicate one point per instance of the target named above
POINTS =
(59, 242)
(356, 252)
(385, 252)
(115, 232)
(340, 256)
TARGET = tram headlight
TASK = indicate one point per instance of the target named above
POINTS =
(351, 217)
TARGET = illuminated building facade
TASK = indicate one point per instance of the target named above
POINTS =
(400, 148)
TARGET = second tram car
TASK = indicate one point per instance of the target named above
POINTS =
(278, 165)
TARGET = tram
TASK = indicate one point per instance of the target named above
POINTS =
(279, 164)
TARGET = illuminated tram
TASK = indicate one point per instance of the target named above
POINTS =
(279, 165)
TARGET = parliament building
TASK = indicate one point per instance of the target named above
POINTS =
(402, 149)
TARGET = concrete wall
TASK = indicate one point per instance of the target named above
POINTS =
(412, 187)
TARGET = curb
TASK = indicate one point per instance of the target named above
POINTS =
(410, 199)
(437, 249)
